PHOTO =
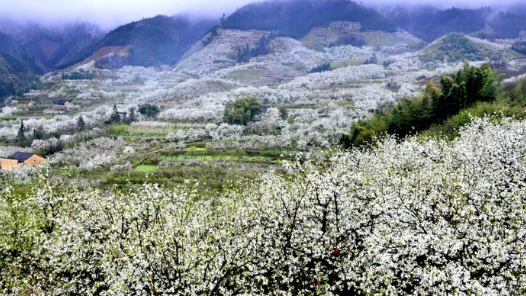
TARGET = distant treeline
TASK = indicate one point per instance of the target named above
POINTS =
(463, 89)
(244, 54)
(429, 23)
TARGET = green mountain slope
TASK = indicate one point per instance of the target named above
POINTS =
(151, 42)
(18, 66)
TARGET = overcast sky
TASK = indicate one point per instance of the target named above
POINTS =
(111, 13)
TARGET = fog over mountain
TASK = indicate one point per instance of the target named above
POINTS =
(112, 13)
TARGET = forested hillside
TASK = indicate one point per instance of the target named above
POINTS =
(429, 23)
(18, 67)
(151, 42)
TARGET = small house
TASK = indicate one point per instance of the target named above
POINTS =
(20, 159)
(63, 103)
(269, 110)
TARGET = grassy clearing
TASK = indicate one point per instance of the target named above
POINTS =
(246, 74)
(207, 178)
(147, 168)
(209, 171)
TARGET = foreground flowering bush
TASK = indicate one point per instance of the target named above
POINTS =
(418, 218)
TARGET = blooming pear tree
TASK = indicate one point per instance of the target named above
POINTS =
(420, 217)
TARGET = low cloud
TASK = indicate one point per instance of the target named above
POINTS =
(446, 3)
(111, 13)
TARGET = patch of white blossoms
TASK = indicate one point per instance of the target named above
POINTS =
(410, 218)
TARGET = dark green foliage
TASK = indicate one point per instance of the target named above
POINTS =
(20, 136)
(131, 118)
(284, 113)
(453, 47)
(18, 68)
(24, 89)
(38, 134)
(81, 125)
(78, 56)
(115, 117)
(515, 93)
(297, 17)
(149, 110)
(243, 55)
(463, 89)
(321, 68)
(7, 87)
(497, 109)
(242, 111)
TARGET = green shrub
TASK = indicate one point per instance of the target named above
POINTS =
(242, 111)
(470, 85)
(149, 110)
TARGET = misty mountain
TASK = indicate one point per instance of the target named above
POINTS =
(429, 23)
(18, 67)
(296, 18)
(149, 42)
(508, 24)
(55, 45)
(28, 63)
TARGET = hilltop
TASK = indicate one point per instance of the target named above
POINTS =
(455, 47)
(297, 17)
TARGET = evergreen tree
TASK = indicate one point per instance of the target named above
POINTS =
(132, 118)
(115, 117)
(38, 134)
(20, 137)
(284, 113)
(81, 125)
(149, 110)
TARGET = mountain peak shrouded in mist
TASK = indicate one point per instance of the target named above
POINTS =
(109, 14)
(52, 45)
(295, 18)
